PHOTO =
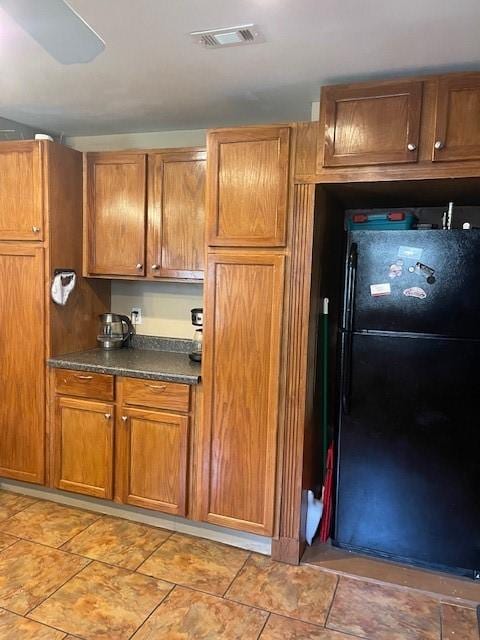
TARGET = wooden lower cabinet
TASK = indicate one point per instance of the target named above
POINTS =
(136, 455)
(154, 458)
(84, 447)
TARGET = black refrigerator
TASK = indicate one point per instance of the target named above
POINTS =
(408, 441)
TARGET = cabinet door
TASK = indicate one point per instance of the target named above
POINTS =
(176, 214)
(21, 210)
(241, 375)
(457, 122)
(371, 124)
(84, 447)
(22, 363)
(115, 214)
(154, 448)
(247, 187)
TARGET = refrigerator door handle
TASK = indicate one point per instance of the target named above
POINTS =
(349, 307)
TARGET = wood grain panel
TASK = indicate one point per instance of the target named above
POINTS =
(247, 186)
(156, 394)
(115, 213)
(72, 327)
(156, 460)
(307, 134)
(457, 123)
(371, 123)
(22, 358)
(21, 210)
(176, 214)
(241, 374)
(85, 384)
(289, 545)
(84, 447)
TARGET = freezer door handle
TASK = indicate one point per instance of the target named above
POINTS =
(348, 314)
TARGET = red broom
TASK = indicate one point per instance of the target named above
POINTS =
(326, 523)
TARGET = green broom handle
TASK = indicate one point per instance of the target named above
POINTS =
(325, 383)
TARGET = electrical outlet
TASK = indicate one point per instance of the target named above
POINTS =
(136, 315)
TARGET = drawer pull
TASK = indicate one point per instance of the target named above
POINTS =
(79, 377)
(157, 387)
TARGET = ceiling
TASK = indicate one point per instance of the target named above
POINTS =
(152, 77)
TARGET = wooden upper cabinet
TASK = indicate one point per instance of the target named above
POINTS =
(371, 124)
(457, 118)
(176, 214)
(154, 449)
(241, 373)
(247, 187)
(115, 213)
(22, 362)
(21, 209)
(84, 447)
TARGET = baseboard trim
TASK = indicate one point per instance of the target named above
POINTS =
(248, 541)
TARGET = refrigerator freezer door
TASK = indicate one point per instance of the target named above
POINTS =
(418, 282)
(408, 451)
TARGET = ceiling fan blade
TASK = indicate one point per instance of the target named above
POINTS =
(57, 28)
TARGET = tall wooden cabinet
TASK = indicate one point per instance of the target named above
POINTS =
(40, 231)
(22, 362)
(247, 204)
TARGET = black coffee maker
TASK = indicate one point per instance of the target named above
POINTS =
(197, 341)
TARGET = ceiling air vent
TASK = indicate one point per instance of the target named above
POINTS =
(228, 37)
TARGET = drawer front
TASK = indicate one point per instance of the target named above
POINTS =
(84, 384)
(156, 394)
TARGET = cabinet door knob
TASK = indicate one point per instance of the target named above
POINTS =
(411, 146)
(124, 418)
(36, 229)
(439, 144)
(155, 267)
(139, 266)
(107, 416)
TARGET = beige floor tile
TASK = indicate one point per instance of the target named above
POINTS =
(13, 627)
(298, 592)
(459, 623)
(30, 572)
(116, 541)
(11, 503)
(102, 603)
(48, 523)
(379, 612)
(193, 562)
(191, 615)
(281, 628)
(6, 540)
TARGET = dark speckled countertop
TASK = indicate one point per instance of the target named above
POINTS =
(152, 362)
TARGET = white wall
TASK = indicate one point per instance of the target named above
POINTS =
(165, 305)
(150, 140)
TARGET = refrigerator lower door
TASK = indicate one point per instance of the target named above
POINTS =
(408, 479)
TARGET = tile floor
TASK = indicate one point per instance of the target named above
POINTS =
(67, 573)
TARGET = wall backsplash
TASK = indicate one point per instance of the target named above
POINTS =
(165, 305)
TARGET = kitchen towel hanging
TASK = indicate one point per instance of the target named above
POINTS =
(62, 286)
